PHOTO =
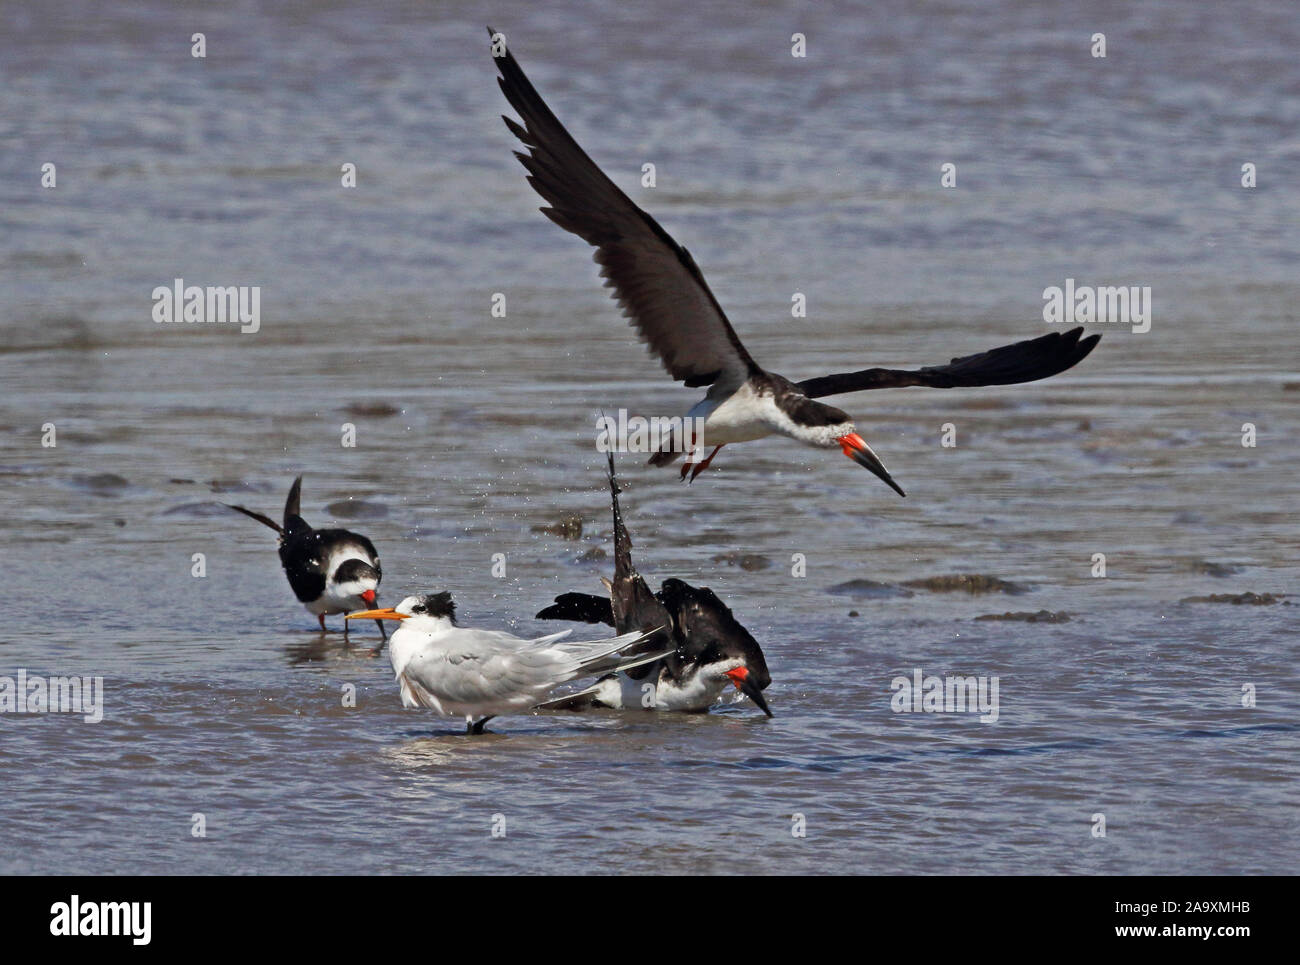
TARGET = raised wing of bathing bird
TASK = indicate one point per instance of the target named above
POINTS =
(330, 570)
(659, 287)
(711, 650)
(463, 672)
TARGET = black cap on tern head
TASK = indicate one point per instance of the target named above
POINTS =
(436, 605)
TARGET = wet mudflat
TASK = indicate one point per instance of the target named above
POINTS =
(475, 436)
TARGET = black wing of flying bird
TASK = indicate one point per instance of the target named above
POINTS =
(655, 280)
(1027, 361)
(660, 288)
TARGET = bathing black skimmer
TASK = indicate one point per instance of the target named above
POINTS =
(330, 570)
(477, 674)
(711, 649)
(664, 294)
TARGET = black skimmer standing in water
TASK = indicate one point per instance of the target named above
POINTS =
(664, 294)
(477, 674)
(331, 570)
(711, 649)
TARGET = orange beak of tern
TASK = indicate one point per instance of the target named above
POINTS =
(387, 614)
(856, 448)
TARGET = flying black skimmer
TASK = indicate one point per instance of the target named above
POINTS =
(331, 570)
(661, 290)
(711, 650)
(477, 674)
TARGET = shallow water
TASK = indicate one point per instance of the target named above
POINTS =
(781, 175)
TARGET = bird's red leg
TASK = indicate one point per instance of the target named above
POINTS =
(321, 618)
(700, 467)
